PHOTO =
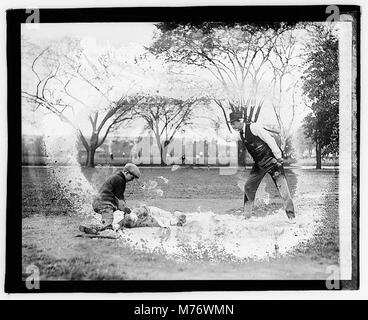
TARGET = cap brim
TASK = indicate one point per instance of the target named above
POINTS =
(135, 177)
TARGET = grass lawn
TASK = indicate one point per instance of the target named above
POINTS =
(50, 223)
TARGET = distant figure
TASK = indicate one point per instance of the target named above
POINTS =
(183, 159)
(111, 156)
(111, 198)
(267, 158)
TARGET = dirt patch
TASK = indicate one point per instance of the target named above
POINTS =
(61, 255)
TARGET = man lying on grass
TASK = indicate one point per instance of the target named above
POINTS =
(143, 216)
(148, 216)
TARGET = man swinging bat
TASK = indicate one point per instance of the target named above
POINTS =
(267, 158)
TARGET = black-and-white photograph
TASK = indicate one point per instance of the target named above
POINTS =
(189, 149)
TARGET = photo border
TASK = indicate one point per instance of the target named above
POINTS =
(13, 278)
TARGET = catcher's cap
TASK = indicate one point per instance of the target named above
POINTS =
(133, 169)
(235, 116)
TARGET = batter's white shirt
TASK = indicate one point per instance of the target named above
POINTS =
(263, 134)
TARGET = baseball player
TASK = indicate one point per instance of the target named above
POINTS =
(267, 158)
(110, 198)
(148, 216)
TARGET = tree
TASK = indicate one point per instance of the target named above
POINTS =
(165, 116)
(170, 101)
(73, 83)
(303, 144)
(285, 64)
(321, 85)
(235, 56)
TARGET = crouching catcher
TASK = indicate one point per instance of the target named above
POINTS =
(110, 198)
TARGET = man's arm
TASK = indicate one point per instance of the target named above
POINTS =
(262, 133)
(122, 204)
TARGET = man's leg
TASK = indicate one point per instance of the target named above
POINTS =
(255, 177)
(279, 178)
(106, 210)
(107, 215)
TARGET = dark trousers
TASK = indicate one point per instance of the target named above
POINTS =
(106, 209)
(278, 176)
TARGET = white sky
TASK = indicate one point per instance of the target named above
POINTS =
(115, 35)
(105, 33)
(102, 34)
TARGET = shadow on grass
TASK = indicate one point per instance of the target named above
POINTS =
(75, 268)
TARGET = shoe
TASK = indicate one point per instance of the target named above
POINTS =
(106, 227)
(248, 209)
(247, 215)
(291, 217)
(89, 230)
(290, 214)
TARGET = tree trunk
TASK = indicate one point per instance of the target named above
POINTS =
(90, 161)
(163, 155)
(92, 150)
(318, 155)
(164, 152)
(205, 153)
(87, 158)
(162, 149)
